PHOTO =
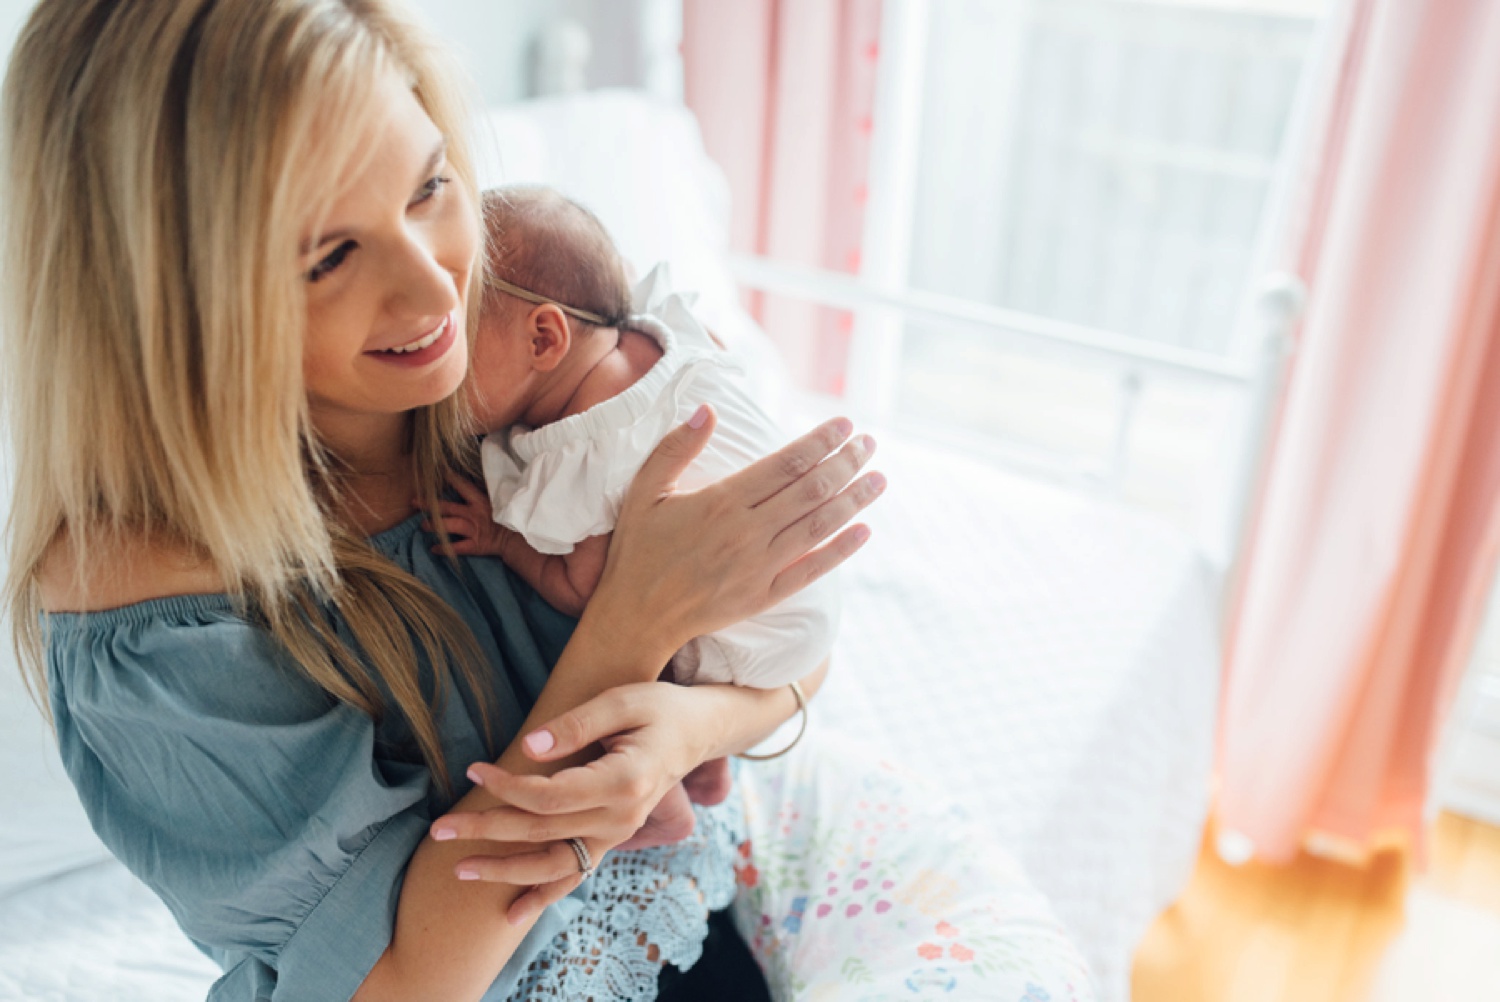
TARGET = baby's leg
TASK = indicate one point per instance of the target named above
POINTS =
(670, 821)
(710, 783)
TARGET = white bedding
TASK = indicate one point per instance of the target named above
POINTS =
(1050, 660)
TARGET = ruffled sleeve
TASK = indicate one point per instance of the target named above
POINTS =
(269, 818)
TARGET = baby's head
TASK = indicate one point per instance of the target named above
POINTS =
(553, 283)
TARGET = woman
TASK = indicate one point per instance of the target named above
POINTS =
(240, 254)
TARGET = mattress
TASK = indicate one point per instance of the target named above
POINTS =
(1052, 661)
(1047, 659)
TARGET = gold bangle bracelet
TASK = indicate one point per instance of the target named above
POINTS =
(802, 709)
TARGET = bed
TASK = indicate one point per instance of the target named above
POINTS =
(1020, 665)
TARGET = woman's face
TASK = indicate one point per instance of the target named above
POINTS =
(386, 282)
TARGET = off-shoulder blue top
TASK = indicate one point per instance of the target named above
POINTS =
(277, 823)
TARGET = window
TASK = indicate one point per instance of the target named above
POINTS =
(1098, 168)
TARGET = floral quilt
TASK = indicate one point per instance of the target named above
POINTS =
(861, 883)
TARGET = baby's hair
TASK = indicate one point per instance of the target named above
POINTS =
(548, 244)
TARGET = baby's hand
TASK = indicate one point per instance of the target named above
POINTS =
(566, 582)
(469, 523)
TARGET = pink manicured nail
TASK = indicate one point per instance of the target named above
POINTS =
(474, 776)
(699, 418)
(444, 834)
(468, 875)
(540, 742)
(861, 533)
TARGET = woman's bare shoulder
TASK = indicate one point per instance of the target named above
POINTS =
(122, 570)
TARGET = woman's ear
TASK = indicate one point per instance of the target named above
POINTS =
(548, 337)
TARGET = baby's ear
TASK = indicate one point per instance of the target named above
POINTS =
(550, 337)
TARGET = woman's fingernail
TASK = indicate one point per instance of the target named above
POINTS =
(444, 834)
(474, 776)
(843, 426)
(467, 874)
(540, 742)
(867, 444)
(699, 418)
(877, 482)
(861, 533)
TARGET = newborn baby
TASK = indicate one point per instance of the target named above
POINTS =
(576, 378)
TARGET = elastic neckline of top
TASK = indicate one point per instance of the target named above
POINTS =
(203, 603)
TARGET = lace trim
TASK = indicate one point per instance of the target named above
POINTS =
(646, 908)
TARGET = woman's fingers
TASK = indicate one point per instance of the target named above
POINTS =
(570, 791)
(822, 483)
(611, 712)
(554, 861)
(817, 525)
(673, 454)
(819, 562)
(765, 478)
(511, 824)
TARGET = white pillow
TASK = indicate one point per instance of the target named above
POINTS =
(638, 163)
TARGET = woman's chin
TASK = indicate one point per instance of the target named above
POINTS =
(432, 383)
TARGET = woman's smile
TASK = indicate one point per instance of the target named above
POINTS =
(425, 349)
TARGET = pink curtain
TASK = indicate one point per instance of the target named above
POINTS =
(1379, 526)
(784, 91)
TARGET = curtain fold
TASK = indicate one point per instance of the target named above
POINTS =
(1377, 533)
(784, 92)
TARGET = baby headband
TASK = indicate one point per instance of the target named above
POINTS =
(532, 297)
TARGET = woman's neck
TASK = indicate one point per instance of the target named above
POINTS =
(374, 468)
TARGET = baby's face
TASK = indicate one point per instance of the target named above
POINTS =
(501, 379)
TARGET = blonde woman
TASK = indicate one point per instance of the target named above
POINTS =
(240, 248)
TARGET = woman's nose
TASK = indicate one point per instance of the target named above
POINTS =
(422, 282)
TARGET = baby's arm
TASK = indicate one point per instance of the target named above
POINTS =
(566, 581)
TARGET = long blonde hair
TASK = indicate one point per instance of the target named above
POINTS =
(155, 193)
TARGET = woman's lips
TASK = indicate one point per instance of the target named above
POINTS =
(433, 346)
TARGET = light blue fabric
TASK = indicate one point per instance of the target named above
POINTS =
(274, 822)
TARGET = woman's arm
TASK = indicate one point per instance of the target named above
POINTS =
(680, 565)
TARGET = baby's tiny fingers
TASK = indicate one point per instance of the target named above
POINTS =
(466, 490)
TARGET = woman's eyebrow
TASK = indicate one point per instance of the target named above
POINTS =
(438, 152)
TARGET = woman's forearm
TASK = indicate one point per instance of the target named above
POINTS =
(742, 718)
(452, 937)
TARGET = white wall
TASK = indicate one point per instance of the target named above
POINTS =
(493, 36)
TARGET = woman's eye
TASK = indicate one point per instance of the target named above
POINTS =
(431, 188)
(332, 261)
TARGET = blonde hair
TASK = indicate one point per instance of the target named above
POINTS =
(154, 316)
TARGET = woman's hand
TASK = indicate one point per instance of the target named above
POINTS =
(653, 734)
(647, 752)
(686, 564)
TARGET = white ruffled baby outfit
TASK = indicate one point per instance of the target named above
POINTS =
(562, 483)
